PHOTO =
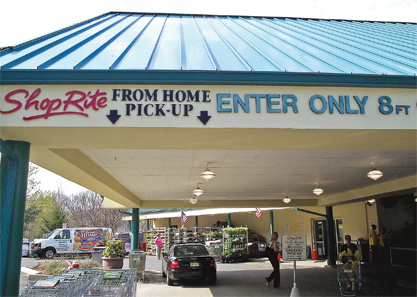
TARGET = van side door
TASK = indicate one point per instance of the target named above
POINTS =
(63, 242)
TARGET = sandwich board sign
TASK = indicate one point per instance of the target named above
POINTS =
(294, 247)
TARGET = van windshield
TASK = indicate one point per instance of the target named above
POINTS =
(53, 234)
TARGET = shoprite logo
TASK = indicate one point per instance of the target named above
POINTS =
(74, 103)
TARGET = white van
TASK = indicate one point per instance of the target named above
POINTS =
(70, 241)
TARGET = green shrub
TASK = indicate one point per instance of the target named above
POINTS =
(114, 249)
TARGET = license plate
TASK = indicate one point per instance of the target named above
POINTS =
(347, 270)
(194, 264)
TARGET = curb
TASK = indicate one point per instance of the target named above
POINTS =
(28, 270)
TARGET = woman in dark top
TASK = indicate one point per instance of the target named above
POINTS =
(272, 255)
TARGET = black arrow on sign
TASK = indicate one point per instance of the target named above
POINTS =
(113, 116)
(204, 117)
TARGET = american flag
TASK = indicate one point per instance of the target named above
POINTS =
(258, 212)
(184, 218)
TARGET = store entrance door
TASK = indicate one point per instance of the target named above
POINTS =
(319, 233)
(320, 236)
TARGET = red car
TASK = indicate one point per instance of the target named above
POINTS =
(187, 262)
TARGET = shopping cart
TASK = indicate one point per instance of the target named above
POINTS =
(349, 276)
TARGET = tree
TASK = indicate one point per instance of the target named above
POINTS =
(86, 209)
(54, 219)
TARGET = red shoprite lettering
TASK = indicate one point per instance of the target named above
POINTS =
(76, 103)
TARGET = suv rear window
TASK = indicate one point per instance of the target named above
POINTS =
(190, 250)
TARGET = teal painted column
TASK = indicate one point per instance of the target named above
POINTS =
(169, 223)
(196, 222)
(271, 221)
(229, 220)
(147, 225)
(13, 183)
(135, 228)
(331, 238)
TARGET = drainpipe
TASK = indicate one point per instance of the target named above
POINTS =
(14, 167)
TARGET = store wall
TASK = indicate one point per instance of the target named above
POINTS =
(290, 221)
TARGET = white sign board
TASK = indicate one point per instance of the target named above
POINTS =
(294, 247)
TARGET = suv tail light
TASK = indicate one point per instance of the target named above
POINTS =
(174, 264)
(212, 262)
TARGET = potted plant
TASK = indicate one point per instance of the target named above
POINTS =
(113, 255)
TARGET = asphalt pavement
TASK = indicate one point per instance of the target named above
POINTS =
(313, 278)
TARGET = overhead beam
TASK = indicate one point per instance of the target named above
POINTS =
(379, 190)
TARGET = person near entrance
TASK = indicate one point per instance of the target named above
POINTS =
(384, 239)
(158, 242)
(373, 244)
(350, 256)
(272, 254)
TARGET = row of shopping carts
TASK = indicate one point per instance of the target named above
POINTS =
(80, 283)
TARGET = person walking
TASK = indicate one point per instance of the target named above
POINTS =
(158, 242)
(272, 254)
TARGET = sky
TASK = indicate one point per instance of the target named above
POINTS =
(23, 20)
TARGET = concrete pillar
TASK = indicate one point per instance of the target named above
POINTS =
(13, 183)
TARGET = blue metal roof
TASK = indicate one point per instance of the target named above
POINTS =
(119, 41)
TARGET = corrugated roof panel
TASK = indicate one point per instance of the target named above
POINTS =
(312, 57)
(245, 45)
(61, 45)
(20, 52)
(195, 54)
(144, 41)
(109, 52)
(344, 50)
(167, 53)
(141, 51)
(89, 46)
(222, 54)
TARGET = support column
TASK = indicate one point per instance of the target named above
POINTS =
(13, 183)
(331, 240)
(229, 220)
(271, 221)
(169, 223)
(196, 222)
(135, 228)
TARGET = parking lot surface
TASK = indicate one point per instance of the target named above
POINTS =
(313, 278)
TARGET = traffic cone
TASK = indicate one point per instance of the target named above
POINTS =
(314, 254)
(279, 258)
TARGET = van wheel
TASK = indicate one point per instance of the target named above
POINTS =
(49, 253)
